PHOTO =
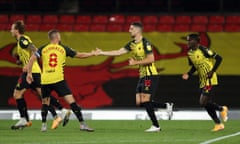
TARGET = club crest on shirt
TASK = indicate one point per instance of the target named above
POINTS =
(25, 42)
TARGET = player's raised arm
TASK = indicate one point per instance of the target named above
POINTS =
(119, 52)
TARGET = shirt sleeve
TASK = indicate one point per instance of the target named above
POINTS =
(70, 52)
(24, 42)
(38, 53)
(148, 49)
(208, 53)
(128, 46)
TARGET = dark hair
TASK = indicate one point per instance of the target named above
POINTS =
(137, 24)
(51, 33)
(193, 36)
(19, 25)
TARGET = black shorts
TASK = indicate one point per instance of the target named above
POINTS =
(61, 88)
(208, 91)
(148, 85)
(22, 82)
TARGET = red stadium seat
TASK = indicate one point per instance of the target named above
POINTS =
(150, 20)
(198, 28)
(64, 27)
(16, 17)
(126, 27)
(4, 27)
(3, 18)
(81, 27)
(34, 19)
(47, 27)
(100, 19)
(50, 19)
(181, 28)
(215, 28)
(98, 27)
(67, 19)
(234, 19)
(217, 19)
(166, 20)
(164, 27)
(182, 19)
(149, 28)
(131, 19)
(200, 19)
(232, 28)
(114, 28)
(32, 27)
(83, 19)
(117, 19)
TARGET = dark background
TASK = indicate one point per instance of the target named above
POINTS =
(120, 6)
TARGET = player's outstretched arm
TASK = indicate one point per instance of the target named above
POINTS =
(85, 54)
(119, 52)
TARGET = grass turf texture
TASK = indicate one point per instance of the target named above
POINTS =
(119, 132)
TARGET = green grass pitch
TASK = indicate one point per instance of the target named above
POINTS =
(120, 132)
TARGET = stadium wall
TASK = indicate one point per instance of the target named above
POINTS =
(100, 82)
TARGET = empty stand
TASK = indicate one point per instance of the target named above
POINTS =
(216, 19)
(232, 28)
(67, 19)
(100, 19)
(16, 17)
(166, 19)
(182, 19)
(34, 19)
(164, 27)
(50, 19)
(114, 28)
(198, 28)
(4, 27)
(83, 19)
(215, 28)
(200, 19)
(150, 19)
(181, 28)
(47, 27)
(131, 19)
(98, 27)
(32, 27)
(149, 27)
(3, 19)
(234, 19)
(117, 19)
(64, 27)
(81, 27)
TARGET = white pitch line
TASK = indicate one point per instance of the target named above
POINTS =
(220, 138)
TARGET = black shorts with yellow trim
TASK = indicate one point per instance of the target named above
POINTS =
(148, 85)
(23, 84)
(61, 88)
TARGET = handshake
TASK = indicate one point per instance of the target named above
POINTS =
(97, 52)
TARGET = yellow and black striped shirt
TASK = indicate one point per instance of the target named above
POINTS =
(202, 59)
(24, 53)
(139, 51)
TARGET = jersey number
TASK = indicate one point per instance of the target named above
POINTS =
(52, 60)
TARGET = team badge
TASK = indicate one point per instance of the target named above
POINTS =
(25, 42)
(149, 48)
(210, 52)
